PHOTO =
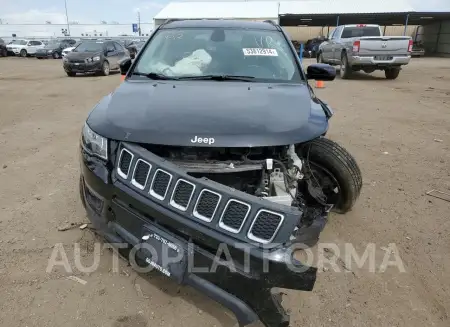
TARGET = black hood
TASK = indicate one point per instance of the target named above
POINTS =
(234, 114)
(82, 55)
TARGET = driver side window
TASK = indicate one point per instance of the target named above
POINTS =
(110, 47)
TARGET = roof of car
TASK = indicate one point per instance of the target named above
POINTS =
(225, 23)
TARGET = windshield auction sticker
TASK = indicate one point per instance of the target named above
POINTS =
(260, 52)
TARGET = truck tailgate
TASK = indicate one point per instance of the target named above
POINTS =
(384, 46)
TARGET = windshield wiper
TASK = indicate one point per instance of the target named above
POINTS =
(153, 75)
(220, 78)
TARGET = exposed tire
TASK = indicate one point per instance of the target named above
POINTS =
(320, 58)
(342, 167)
(56, 55)
(345, 70)
(105, 68)
(392, 73)
(23, 53)
(71, 74)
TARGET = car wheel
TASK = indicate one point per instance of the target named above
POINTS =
(345, 70)
(335, 170)
(56, 55)
(320, 58)
(392, 73)
(23, 53)
(71, 74)
(105, 68)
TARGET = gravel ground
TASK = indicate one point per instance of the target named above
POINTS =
(398, 130)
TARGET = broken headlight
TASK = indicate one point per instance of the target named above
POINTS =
(93, 143)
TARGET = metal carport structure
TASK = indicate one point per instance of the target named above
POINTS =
(317, 13)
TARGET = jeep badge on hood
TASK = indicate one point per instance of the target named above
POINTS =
(205, 140)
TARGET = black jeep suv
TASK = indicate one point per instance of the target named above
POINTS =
(210, 163)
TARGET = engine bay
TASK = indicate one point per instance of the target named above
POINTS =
(275, 174)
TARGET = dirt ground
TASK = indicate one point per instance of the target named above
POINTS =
(399, 132)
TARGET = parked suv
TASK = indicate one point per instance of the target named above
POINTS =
(54, 48)
(25, 47)
(94, 57)
(210, 163)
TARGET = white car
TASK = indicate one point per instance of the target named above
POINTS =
(24, 47)
(70, 49)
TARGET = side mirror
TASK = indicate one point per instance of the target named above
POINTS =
(321, 72)
(124, 65)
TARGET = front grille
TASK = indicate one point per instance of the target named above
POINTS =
(206, 205)
(76, 61)
(234, 215)
(141, 173)
(199, 200)
(265, 226)
(182, 194)
(160, 184)
(124, 163)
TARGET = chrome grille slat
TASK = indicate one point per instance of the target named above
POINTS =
(160, 184)
(204, 208)
(141, 171)
(124, 163)
(265, 226)
(182, 194)
(234, 216)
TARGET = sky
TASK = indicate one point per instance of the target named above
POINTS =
(83, 11)
(96, 11)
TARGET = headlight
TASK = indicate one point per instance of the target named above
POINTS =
(89, 60)
(93, 143)
(96, 58)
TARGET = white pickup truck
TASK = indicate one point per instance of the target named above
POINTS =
(363, 47)
(24, 47)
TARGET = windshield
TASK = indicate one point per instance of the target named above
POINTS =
(89, 47)
(350, 32)
(19, 42)
(261, 54)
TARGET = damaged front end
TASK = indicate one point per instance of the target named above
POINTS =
(230, 217)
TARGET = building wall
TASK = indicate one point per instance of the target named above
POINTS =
(76, 30)
(434, 41)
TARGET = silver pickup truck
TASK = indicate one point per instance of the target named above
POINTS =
(363, 47)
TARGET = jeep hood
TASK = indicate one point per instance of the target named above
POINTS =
(234, 114)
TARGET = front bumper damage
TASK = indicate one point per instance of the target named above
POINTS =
(124, 212)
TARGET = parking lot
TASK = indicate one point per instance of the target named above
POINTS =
(399, 132)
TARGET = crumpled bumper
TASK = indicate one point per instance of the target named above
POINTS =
(247, 287)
